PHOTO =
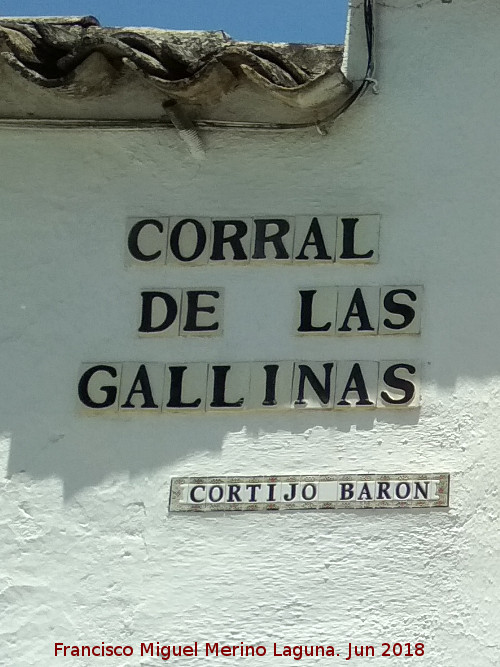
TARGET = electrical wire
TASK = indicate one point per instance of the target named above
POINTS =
(321, 125)
(210, 124)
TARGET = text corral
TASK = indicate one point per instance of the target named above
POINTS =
(192, 241)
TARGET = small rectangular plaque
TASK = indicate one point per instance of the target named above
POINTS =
(309, 492)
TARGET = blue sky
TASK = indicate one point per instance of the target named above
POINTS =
(312, 21)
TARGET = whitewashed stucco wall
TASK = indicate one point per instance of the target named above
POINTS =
(88, 551)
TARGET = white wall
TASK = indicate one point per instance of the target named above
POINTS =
(88, 552)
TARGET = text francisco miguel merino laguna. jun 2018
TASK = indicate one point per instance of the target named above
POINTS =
(241, 650)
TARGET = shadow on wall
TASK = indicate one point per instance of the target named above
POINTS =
(97, 447)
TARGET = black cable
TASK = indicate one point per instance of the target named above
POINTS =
(319, 124)
(221, 124)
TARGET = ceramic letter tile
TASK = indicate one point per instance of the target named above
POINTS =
(141, 387)
(357, 310)
(313, 384)
(434, 487)
(365, 491)
(289, 491)
(231, 244)
(272, 492)
(179, 490)
(356, 384)
(99, 387)
(216, 493)
(399, 384)
(228, 386)
(197, 494)
(400, 309)
(270, 385)
(280, 232)
(421, 491)
(146, 241)
(255, 490)
(159, 311)
(185, 387)
(309, 491)
(183, 494)
(315, 311)
(235, 493)
(358, 239)
(401, 490)
(189, 241)
(202, 311)
(327, 491)
(319, 234)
